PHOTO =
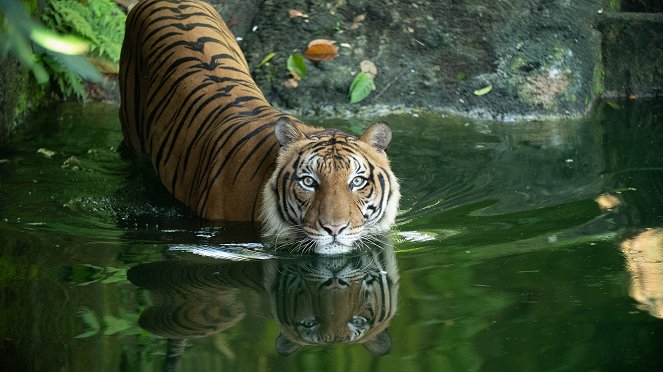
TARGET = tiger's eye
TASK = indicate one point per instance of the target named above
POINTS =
(358, 182)
(309, 323)
(307, 181)
(358, 321)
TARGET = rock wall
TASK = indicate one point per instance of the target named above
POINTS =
(540, 57)
(503, 59)
(633, 54)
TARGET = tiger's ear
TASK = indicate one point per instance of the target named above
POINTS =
(380, 344)
(287, 132)
(286, 347)
(378, 135)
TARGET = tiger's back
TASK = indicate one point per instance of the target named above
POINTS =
(190, 104)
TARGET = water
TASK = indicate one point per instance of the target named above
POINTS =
(502, 260)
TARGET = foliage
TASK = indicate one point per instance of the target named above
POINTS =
(266, 59)
(99, 21)
(361, 87)
(296, 65)
(56, 53)
(16, 34)
(108, 325)
(483, 91)
(88, 274)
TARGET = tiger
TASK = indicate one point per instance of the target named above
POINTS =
(189, 103)
(317, 300)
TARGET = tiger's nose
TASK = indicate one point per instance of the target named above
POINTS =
(332, 229)
(335, 283)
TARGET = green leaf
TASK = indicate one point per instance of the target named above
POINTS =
(266, 59)
(361, 87)
(613, 105)
(64, 44)
(483, 91)
(296, 65)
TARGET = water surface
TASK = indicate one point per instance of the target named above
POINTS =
(532, 246)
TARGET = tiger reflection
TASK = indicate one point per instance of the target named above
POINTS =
(317, 300)
(644, 261)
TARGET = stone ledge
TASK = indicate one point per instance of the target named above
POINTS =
(632, 54)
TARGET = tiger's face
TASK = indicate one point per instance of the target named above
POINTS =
(330, 192)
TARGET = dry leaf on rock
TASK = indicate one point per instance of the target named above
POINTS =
(233, 22)
(294, 13)
(368, 67)
(356, 22)
(291, 83)
(321, 50)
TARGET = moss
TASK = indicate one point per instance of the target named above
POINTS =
(614, 5)
(598, 87)
(19, 93)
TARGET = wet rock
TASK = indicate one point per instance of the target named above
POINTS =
(539, 56)
(632, 54)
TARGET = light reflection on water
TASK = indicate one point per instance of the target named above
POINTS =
(507, 257)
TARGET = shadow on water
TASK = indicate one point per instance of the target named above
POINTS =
(531, 246)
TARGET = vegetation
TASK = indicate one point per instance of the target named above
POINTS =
(77, 39)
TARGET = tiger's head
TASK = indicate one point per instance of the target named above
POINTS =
(330, 191)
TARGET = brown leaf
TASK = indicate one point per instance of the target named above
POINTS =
(291, 83)
(294, 13)
(368, 67)
(356, 22)
(233, 22)
(321, 50)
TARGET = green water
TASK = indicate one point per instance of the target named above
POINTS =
(505, 261)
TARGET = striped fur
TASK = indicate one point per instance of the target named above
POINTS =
(189, 103)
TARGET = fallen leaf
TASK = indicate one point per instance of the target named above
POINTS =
(266, 59)
(294, 13)
(613, 105)
(409, 29)
(233, 22)
(368, 67)
(483, 91)
(46, 152)
(291, 83)
(607, 201)
(361, 87)
(321, 50)
(296, 66)
(356, 22)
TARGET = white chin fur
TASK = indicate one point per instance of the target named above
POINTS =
(332, 248)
